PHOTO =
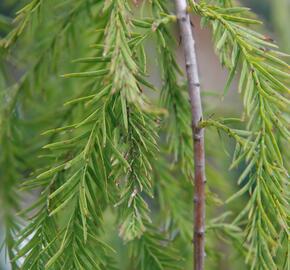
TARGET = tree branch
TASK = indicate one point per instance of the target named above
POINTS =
(197, 132)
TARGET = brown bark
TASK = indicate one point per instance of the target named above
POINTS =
(188, 44)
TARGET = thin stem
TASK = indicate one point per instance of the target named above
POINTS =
(197, 132)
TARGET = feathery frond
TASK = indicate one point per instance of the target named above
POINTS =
(112, 142)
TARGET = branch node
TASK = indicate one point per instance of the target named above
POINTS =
(200, 233)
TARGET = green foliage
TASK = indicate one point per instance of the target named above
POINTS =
(173, 97)
(151, 252)
(263, 84)
(107, 144)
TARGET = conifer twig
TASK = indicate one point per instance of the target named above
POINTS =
(188, 43)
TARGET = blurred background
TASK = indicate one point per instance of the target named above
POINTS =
(275, 14)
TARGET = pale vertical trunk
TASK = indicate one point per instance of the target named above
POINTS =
(188, 44)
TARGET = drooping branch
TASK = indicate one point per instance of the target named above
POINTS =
(264, 85)
(197, 132)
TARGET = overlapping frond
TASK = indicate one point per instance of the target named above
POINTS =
(108, 146)
(264, 85)
(153, 251)
(16, 142)
(24, 17)
(173, 96)
(11, 165)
